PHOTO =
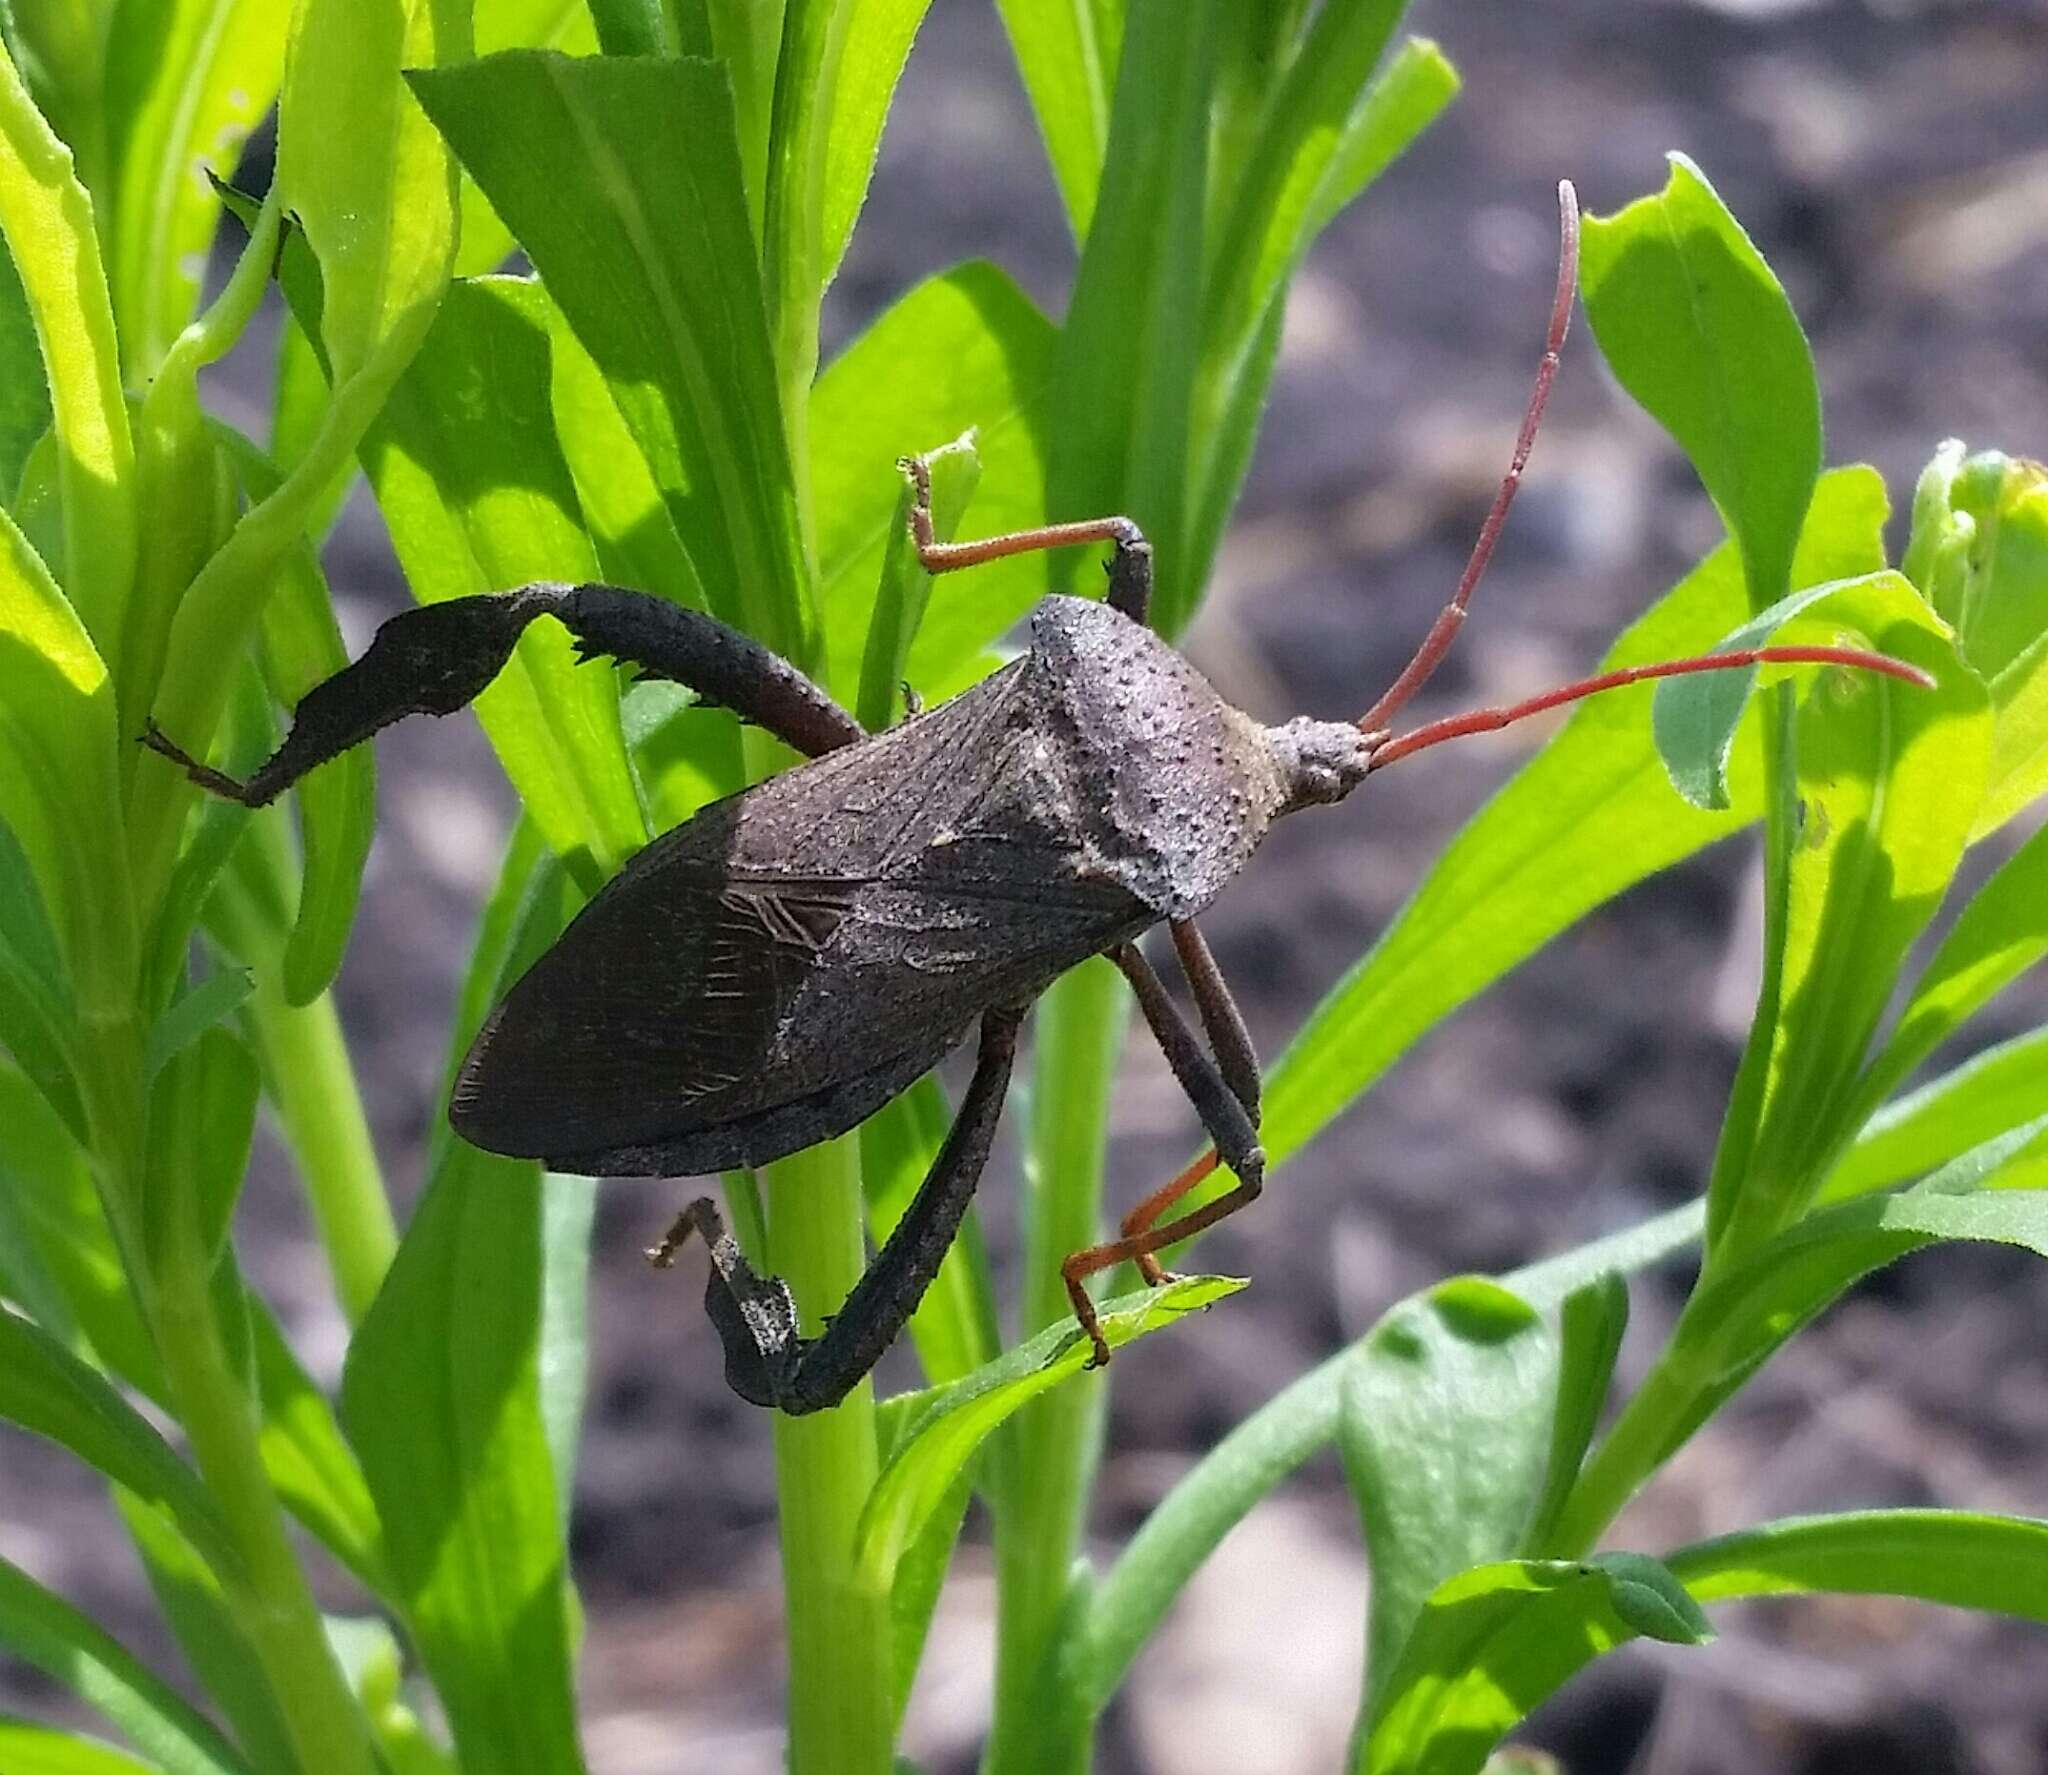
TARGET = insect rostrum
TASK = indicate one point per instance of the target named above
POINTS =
(775, 969)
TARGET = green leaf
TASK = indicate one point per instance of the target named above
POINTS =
(379, 213)
(301, 647)
(49, 1392)
(24, 394)
(878, 35)
(920, 1576)
(185, 85)
(1068, 56)
(56, 1251)
(46, 1631)
(458, 1399)
(1989, 1093)
(1700, 332)
(579, 156)
(1327, 173)
(1998, 936)
(311, 1466)
(1887, 778)
(188, 1595)
(1969, 1561)
(566, 25)
(1288, 184)
(933, 1449)
(1746, 1308)
(48, 223)
(1496, 1640)
(59, 793)
(38, 1750)
(873, 405)
(37, 1023)
(477, 498)
(202, 1117)
(442, 1401)
(905, 590)
(1128, 355)
(1589, 1339)
(212, 1001)
(1186, 1526)
(1445, 1432)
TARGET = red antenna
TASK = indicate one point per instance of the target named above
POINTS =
(1454, 727)
(1416, 673)
(1451, 618)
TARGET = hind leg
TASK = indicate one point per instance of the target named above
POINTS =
(436, 659)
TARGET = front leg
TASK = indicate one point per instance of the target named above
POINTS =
(436, 659)
(766, 1361)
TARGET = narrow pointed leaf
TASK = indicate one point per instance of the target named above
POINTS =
(381, 219)
(1976, 1101)
(1747, 1309)
(1495, 1641)
(874, 404)
(1128, 356)
(1887, 781)
(1969, 1561)
(2000, 934)
(878, 35)
(455, 1401)
(906, 588)
(1068, 55)
(42, 1629)
(932, 1450)
(186, 83)
(477, 499)
(49, 1392)
(189, 1597)
(337, 805)
(1590, 1325)
(578, 155)
(48, 223)
(1699, 330)
(40, 1750)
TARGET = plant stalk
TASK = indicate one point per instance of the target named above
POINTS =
(1047, 1453)
(841, 1686)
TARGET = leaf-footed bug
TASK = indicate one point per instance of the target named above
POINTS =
(772, 971)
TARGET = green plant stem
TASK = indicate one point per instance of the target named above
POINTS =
(1047, 1453)
(313, 1089)
(272, 1602)
(311, 1079)
(841, 1685)
(1645, 1435)
(268, 1596)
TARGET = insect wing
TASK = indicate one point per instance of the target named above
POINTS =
(655, 1012)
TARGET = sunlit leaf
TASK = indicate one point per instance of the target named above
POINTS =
(1699, 330)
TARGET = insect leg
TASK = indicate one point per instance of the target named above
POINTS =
(1231, 1043)
(1223, 1113)
(765, 1361)
(1130, 565)
(436, 659)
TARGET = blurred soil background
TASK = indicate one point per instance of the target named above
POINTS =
(1891, 159)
